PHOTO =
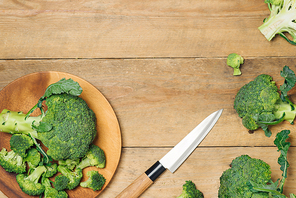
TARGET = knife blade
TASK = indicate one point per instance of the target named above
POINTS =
(173, 159)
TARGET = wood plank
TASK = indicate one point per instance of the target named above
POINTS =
(158, 101)
(121, 29)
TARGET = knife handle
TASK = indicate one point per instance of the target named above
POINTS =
(143, 182)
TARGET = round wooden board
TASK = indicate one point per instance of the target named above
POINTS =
(23, 93)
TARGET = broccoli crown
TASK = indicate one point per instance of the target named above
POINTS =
(234, 181)
(30, 184)
(12, 162)
(51, 192)
(234, 60)
(71, 164)
(73, 176)
(94, 157)
(51, 169)
(281, 19)
(20, 143)
(95, 181)
(190, 191)
(61, 182)
(73, 127)
(32, 158)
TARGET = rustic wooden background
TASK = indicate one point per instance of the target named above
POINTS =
(162, 66)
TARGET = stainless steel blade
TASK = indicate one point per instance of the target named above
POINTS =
(177, 155)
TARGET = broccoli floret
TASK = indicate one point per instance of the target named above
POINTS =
(95, 181)
(234, 181)
(33, 158)
(281, 20)
(30, 184)
(12, 162)
(73, 176)
(51, 169)
(190, 191)
(71, 164)
(234, 60)
(51, 192)
(60, 182)
(20, 143)
(260, 104)
(94, 157)
(67, 128)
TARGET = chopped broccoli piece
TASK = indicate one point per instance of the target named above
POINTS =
(95, 181)
(94, 157)
(73, 176)
(33, 158)
(259, 103)
(51, 169)
(190, 191)
(30, 184)
(20, 143)
(234, 60)
(51, 192)
(60, 182)
(71, 164)
(12, 162)
(67, 128)
(281, 20)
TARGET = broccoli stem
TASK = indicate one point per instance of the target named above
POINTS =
(36, 174)
(287, 109)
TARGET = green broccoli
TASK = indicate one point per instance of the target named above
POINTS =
(61, 182)
(30, 184)
(51, 169)
(12, 162)
(94, 157)
(66, 128)
(51, 192)
(95, 181)
(251, 178)
(260, 104)
(281, 20)
(71, 164)
(20, 143)
(73, 176)
(190, 191)
(33, 158)
(234, 60)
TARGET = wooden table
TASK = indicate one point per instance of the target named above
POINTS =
(162, 66)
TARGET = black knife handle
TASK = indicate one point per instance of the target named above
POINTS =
(155, 171)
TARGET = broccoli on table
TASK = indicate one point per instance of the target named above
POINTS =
(33, 158)
(95, 181)
(73, 176)
(61, 182)
(234, 60)
(51, 192)
(66, 128)
(20, 143)
(260, 104)
(12, 162)
(281, 20)
(190, 191)
(30, 184)
(94, 157)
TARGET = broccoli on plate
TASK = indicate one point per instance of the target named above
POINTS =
(33, 158)
(73, 176)
(20, 143)
(281, 20)
(94, 157)
(260, 104)
(95, 180)
(190, 191)
(12, 162)
(234, 60)
(51, 192)
(60, 182)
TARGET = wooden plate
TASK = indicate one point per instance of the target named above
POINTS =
(23, 93)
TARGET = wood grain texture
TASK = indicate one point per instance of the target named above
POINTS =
(133, 29)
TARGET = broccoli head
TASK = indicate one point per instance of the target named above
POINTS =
(190, 191)
(73, 176)
(51, 192)
(234, 181)
(234, 60)
(94, 157)
(30, 184)
(20, 143)
(95, 180)
(12, 162)
(51, 169)
(66, 126)
(60, 182)
(33, 158)
(260, 104)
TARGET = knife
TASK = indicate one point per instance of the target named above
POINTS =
(173, 159)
